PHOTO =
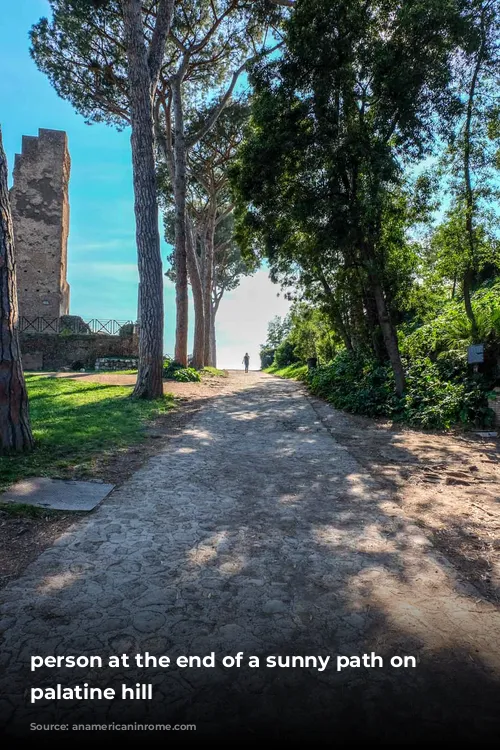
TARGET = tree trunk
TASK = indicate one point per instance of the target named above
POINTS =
(209, 279)
(149, 378)
(181, 276)
(467, 287)
(213, 341)
(469, 192)
(390, 336)
(15, 429)
(373, 325)
(216, 300)
(198, 302)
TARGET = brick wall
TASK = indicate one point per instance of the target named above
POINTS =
(53, 352)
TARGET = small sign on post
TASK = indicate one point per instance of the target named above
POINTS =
(475, 354)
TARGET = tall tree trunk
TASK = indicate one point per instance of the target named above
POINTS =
(198, 302)
(15, 429)
(469, 192)
(209, 278)
(390, 335)
(213, 341)
(467, 292)
(373, 325)
(149, 378)
(181, 272)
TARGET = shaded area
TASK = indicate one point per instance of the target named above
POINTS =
(448, 484)
(255, 531)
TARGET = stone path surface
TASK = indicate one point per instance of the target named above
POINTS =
(254, 531)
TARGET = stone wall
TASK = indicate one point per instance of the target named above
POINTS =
(40, 213)
(54, 352)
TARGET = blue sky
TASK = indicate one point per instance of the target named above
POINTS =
(102, 269)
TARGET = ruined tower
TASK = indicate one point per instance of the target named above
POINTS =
(40, 212)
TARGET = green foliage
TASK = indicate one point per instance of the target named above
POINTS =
(320, 183)
(358, 385)
(362, 386)
(432, 402)
(186, 375)
(214, 372)
(311, 333)
(296, 371)
(451, 331)
(75, 424)
(285, 354)
(277, 330)
(173, 370)
(266, 356)
(23, 510)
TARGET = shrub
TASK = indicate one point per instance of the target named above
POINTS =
(433, 402)
(361, 386)
(285, 354)
(186, 375)
(439, 394)
(173, 370)
(266, 356)
(170, 366)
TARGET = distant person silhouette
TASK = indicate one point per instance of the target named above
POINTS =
(246, 361)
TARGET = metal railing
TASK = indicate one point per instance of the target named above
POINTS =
(72, 324)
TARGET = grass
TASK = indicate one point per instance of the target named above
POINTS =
(114, 372)
(214, 372)
(75, 424)
(292, 372)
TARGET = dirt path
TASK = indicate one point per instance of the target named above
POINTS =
(207, 388)
(256, 530)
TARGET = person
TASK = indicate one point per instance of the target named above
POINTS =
(246, 361)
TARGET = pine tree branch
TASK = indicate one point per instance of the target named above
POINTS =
(216, 112)
(161, 31)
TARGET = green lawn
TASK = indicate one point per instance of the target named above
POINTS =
(292, 372)
(74, 423)
(215, 372)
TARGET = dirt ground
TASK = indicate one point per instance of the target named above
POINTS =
(448, 484)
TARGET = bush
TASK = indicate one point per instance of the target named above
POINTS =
(285, 354)
(266, 356)
(355, 384)
(432, 402)
(173, 370)
(438, 396)
(187, 375)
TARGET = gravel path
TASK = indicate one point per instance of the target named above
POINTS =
(255, 531)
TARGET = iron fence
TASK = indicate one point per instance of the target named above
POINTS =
(73, 324)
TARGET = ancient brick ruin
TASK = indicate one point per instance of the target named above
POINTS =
(50, 338)
(40, 211)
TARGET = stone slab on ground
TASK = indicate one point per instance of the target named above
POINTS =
(57, 494)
